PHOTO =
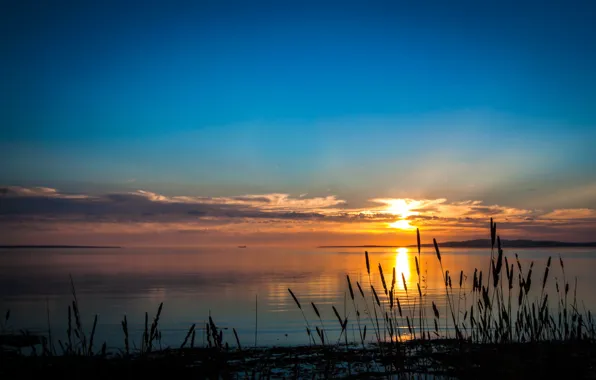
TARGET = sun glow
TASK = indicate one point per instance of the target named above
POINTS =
(402, 265)
(401, 224)
(400, 207)
(403, 209)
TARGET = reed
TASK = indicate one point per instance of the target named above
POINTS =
(308, 329)
(356, 310)
(190, 333)
(125, 331)
(321, 332)
(491, 317)
(236, 336)
(90, 348)
(504, 311)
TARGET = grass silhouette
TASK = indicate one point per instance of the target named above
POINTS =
(488, 329)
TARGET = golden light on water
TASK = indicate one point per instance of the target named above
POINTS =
(402, 265)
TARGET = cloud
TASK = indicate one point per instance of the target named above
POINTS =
(142, 211)
(47, 192)
(435, 209)
(570, 214)
(274, 202)
(148, 206)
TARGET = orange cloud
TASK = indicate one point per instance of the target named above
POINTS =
(571, 213)
(32, 212)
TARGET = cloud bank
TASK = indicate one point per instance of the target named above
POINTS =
(33, 213)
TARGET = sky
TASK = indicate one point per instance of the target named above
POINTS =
(296, 122)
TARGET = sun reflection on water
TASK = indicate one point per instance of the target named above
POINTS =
(402, 266)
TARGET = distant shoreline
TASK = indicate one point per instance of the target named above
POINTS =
(56, 246)
(482, 243)
(361, 246)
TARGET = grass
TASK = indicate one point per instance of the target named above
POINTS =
(492, 327)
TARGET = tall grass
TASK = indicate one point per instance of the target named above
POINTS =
(503, 309)
(508, 304)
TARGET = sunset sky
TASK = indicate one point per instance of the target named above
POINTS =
(296, 122)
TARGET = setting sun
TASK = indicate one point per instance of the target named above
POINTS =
(403, 209)
(401, 224)
(400, 207)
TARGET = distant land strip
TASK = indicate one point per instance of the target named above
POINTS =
(55, 246)
(482, 243)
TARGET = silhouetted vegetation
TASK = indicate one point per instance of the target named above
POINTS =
(491, 326)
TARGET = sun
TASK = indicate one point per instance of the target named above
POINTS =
(403, 209)
(401, 224)
(400, 207)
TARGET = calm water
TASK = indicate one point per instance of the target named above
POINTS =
(195, 282)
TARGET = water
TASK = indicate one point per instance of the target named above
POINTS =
(233, 284)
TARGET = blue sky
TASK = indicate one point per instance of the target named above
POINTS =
(488, 100)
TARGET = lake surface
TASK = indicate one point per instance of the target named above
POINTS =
(242, 286)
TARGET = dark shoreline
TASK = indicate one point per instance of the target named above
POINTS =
(483, 243)
(441, 358)
(57, 246)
